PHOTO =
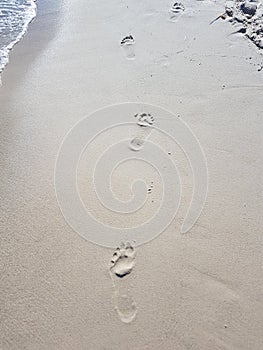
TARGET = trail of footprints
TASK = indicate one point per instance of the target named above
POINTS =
(246, 14)
(123, 259)
(127, 42)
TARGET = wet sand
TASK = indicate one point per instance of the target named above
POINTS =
(201, 290)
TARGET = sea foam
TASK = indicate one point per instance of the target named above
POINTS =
(15, 16)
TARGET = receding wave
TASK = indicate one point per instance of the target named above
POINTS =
(15, 15)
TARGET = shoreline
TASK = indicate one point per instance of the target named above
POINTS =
(4, 58)
(40, 31)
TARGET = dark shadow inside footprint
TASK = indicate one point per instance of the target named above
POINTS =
(123, 261)
(144, 119)
(127, 40)
(176, 11)
(127, 43)
(177, 7)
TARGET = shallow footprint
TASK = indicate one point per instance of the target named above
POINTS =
(176, 11)
(127, 43)
(122, 264)
(126, 308)
(136, 144)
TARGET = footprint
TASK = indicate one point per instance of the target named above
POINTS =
(178, 7)
(145, 122)
(144, 119)
(126, 308)
(127, 43)
(122, 264)
(164, 61)
(123, 260)
(136, 144)
(176, 11)
(127, 40)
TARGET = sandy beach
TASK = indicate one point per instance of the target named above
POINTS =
(198, 291)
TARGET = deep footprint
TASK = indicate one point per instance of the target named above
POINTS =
(127, 43)
(177, 7)
(144, 119)
(127, 40)
(123, 260)
(176, 10)
(122, 264)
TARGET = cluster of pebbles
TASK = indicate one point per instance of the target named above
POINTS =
(249, 15)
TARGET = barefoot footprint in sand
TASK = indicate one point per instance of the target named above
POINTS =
(123, 260)
(145, 121)
(122, 264)
(176, 11)
(127, 43)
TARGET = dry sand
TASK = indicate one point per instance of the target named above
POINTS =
(198, 291)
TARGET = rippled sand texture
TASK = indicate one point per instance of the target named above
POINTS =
(198, 291)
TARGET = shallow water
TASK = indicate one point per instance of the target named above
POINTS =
(15, 15)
